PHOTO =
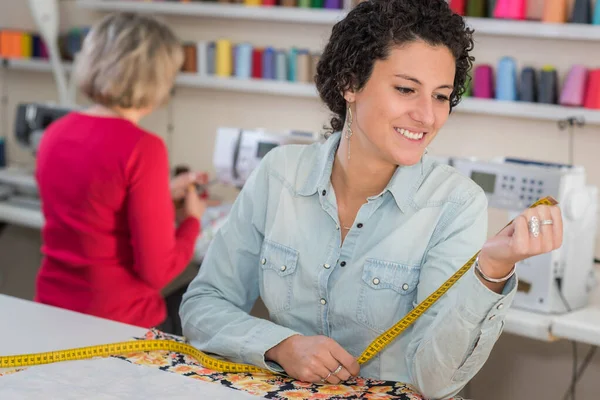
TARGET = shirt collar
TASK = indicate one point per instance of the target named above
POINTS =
(405, 181)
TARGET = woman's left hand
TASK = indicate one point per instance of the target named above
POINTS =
(181, 182)
(536, 231)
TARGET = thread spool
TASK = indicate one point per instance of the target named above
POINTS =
(314, 60)
(468, 86)
(269, 3)
(592, 95)
(223, 58)
(201, 58)
(510, 9)
(582, 12)
(26, 45)
(491, 7)
(289, 3)
(243, 60)
(458, 6)
(483, 86)
(303, 66)
(596, 18)
(211, 58)
(257, 63)
(268, 63)
(535, 10)
(573, 92)
(190, 60)
(304, 3)
(316, 3)
(292, 72)
(281, 72)
(2, 153)
(506, 79)
(547, 89)
(333, 4)
(252, 3)
(555, 11)
(476, 8)
(528, 85)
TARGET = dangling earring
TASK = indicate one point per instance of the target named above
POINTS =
(349, 129)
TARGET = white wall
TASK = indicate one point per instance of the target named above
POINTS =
(518, 368)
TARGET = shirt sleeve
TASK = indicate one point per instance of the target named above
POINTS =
(215, 309)
(161, 251)
(454, 338)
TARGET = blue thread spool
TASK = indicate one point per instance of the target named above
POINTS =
(292, 65)
(528, 85)
(582, 12)
(596, 19)
(243, 61)
(506, 79)
(2, 153)
(268, 63)
(280, 65)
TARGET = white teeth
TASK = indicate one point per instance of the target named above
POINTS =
(409, 134)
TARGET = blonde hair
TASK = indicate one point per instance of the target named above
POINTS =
(129, 61)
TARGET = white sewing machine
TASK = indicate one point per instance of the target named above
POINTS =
(559, 281)
(238, 151)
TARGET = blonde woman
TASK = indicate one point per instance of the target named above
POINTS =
(110, 241)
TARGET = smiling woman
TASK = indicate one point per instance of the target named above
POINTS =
(342, 239)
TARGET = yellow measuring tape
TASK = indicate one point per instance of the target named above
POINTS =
(136, 346)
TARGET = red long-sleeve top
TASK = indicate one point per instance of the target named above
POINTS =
(110, 242)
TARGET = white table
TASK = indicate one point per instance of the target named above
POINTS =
(29, 327)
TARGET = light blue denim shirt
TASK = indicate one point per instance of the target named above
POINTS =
(282, 241)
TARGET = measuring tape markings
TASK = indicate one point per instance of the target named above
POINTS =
(215, 364)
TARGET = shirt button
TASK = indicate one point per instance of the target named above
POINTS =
(324, 192)
(343, 263)
(360, 225)
(376, 281)
(405, 286)
(500, 306)
(326, 266)
(283, 268)
(492, 317)
(337, 227)
(263, 261)
(323, 301)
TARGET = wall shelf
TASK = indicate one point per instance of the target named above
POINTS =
(216, 10)
(486, 26)
(548, 112)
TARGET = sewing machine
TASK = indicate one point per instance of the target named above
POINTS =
(238, 151)
(559, 281)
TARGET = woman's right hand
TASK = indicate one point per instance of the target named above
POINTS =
(193, 205)
(316, 359)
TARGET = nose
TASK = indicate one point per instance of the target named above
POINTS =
(422, 111)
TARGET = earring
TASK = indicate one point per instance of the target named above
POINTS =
(349, 129)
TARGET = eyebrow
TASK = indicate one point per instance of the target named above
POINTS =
(418, 82)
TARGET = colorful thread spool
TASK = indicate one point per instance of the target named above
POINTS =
(292, 71)
(211, 58)
(268, 63)
(458, 6)
(190, 59)
(547, 89)
(483, 86)
(596, 19)
(243, 61)
(288, 3)
(582, 12)
(269, 3)
(223, 58)
(2, 153)
(303, 66)
(506, 79)
(528, 85)
(314, 60)
(555, 11)
(333, 4)
(316, 3)
(281, 72)
(491, 7)
(252, 3)
(573, 92)
(510, 9)
(535, 10)
(476, 8)
(592, 95)
(257, 63)
(304, 3)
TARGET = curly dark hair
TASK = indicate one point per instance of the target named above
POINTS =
(371, 29)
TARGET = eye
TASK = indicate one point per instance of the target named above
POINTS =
(404, 90)
(442, 98)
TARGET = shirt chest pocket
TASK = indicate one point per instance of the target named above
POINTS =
(278, 266)
(386, 293)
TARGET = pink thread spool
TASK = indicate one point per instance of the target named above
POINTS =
(592, 95)
(535, 9)
(573, 93)
(483, 82)
(458, 6)
(510, 9)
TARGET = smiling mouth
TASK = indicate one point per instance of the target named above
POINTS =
(416, 136)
